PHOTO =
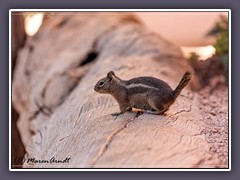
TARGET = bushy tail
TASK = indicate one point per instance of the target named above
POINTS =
(184, 81)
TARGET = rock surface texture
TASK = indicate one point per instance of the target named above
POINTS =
(61, 116)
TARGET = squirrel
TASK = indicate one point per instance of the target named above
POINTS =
(150, 94)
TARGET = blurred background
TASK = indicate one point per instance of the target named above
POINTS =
(188, 30)
(201, 36)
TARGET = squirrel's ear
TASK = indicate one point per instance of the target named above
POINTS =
(110, 75)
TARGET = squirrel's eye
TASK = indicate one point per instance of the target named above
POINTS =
(101, 83)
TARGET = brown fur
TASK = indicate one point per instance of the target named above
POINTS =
(147, 93)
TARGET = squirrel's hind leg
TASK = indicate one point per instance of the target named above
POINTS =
(157, 107)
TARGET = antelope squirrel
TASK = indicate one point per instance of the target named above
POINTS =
(147, 93)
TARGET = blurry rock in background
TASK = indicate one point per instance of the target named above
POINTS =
(214, 70)
(187, 29)
(202, 36)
